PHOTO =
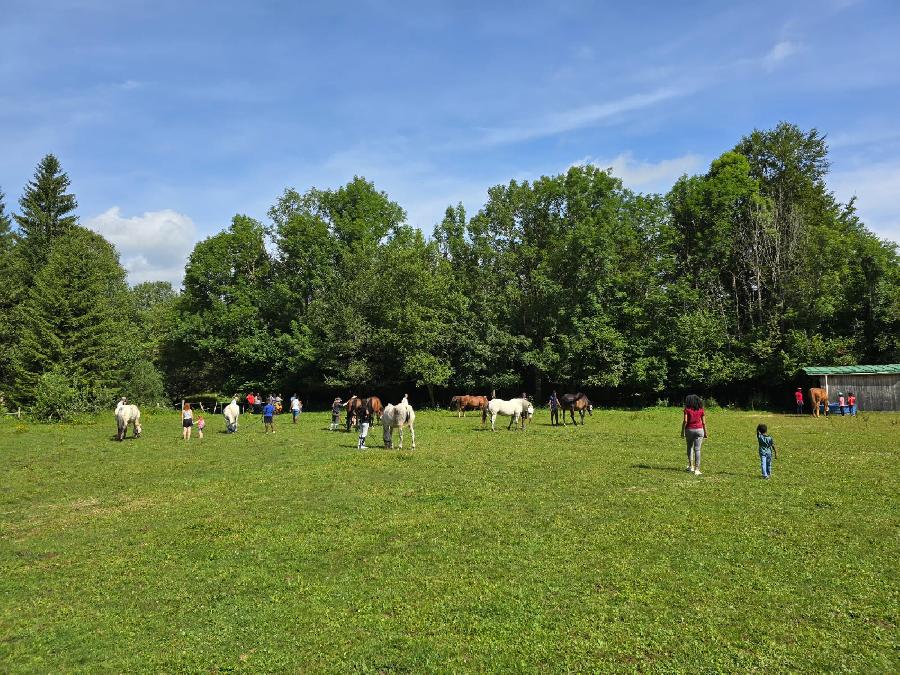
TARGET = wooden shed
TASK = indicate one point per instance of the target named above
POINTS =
(876, 387)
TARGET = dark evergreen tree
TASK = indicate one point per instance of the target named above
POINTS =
(76, 320)
(47, 211)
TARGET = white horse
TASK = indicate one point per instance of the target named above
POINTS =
(127, 414)
(399, 416)
(232, 411)
(517, 409)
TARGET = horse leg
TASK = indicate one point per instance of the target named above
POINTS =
(512, 419)
(493, 421)
(412, 433)
(400, 447)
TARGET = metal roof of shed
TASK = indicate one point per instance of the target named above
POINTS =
(885, 369)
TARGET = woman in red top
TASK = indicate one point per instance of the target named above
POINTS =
(693, 429)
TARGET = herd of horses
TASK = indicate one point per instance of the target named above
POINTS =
(568, 403)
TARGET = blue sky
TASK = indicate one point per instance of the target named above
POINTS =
(170, 117)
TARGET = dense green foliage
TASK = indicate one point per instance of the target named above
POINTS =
(727, 285)
(587, 550)
(72, 338)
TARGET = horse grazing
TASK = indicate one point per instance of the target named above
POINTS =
(573, 402)
(231, 411)
(516, 409)
(357, 404)
(818, 395)
(398, 416)
(467, 402)
(127, 414)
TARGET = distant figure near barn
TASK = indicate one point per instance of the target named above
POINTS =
(877, 387)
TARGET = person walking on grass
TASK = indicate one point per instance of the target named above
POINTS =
(851, 402)
(693, 430)
(554, 409)
(363, 420)
(200, 424)
(766, 449)
(798, 398)
(269, 417)
(842, 402)
(296, 407)
(187, 421)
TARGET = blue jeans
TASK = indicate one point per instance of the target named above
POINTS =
(765, 462)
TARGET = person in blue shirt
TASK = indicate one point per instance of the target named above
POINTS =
(269, 417)
(766, 450)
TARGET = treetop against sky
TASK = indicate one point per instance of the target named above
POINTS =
(172, 117)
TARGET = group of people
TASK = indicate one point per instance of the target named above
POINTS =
(256, 404)
(846, 404)
(188, 423)
(694, 431)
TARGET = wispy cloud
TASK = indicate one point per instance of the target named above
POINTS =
(153, 246)
(875, 187)
(781, 51)
(578, 118)
(644, 176)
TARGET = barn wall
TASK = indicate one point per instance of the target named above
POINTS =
(873, 392)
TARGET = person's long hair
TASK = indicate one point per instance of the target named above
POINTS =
(693, 402)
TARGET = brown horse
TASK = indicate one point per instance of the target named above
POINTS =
(467, 402)
(357, 404)
(573, 402)
(818, 395)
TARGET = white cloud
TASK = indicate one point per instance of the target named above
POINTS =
(781, 51)
(153, 246)
(875, 187)
(647, 176)
(578, 118)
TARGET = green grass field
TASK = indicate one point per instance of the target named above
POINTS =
(584, 549)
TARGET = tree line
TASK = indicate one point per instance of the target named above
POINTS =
(727, 285)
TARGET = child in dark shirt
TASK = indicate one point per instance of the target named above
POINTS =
(766, 450)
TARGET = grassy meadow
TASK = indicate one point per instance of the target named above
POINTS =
(587, 549)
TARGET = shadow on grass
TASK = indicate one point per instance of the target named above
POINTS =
(650, 467)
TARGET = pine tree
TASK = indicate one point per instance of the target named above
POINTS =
(8, 296)
(76, 320)
(47, 211)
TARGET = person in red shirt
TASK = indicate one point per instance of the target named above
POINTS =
(693, 430)
(798, 396)
(851, 401)
(251, 400)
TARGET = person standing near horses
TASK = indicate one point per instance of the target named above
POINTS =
(295, 407)
(187, 421)
(554, 409)
(798, 398)
(363, 421)
(693, 430)
(336, 413)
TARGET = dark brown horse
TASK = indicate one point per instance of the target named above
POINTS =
(573, 402)
(357, 404)
(466, 402)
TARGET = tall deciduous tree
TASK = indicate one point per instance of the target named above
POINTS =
(47, 211)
